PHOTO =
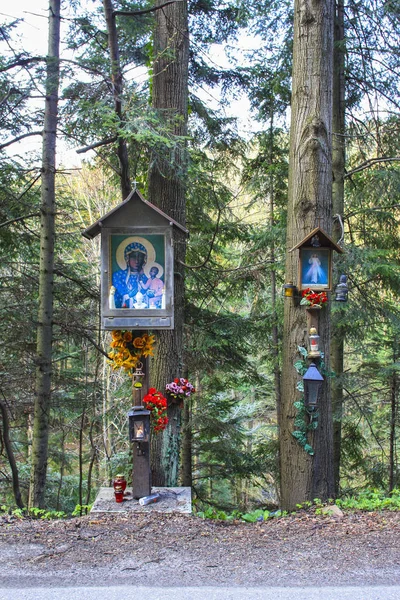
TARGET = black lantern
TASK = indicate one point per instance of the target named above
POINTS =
(341, 290)
(312, 383)
(289, 290)
(139, 424)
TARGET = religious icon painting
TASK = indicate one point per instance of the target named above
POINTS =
(137, 272)
(315, 268)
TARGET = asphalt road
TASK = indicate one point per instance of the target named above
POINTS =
(203, 593)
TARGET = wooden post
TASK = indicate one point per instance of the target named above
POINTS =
(141, 475)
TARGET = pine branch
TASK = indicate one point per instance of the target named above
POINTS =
(136, 13)
(97, 145)
(19, 138)
(371, 161)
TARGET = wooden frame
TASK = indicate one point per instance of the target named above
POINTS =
(154, 313)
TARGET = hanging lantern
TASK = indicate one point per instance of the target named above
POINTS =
(312, 384)
(138, 375)
(289, 290)
(314, 343)
(139, 424)
(341, 290)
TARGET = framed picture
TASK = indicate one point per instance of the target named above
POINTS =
(315, 268)
(137, 272)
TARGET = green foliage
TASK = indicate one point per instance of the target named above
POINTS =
(258, 515)
(35, 513)
(304, 421)
(371, 500)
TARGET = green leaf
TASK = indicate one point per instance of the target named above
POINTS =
(303, 351)
(299, 366)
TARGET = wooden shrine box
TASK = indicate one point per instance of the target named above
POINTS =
(137, 265)
(315, 260)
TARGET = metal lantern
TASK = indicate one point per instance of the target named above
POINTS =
(289, 290)
(138, 375)
(314, 343)
(312, 384)
(341, 290)
(139, 424)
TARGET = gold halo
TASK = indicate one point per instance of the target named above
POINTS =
(119, 255)
(150, 265)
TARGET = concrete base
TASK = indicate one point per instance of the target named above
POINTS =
(177, 499)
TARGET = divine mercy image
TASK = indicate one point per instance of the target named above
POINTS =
(315, 267)
(137, 265)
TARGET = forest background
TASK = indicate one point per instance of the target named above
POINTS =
(236, 203)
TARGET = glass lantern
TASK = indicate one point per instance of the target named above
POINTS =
(312, 384)
(314, 343)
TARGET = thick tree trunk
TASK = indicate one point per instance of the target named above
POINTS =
(304, 477)
(117, 81)
(167, 191)
(46, 267)
(338, 165)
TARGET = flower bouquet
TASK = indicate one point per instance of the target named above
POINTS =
(313, 299)
(127, 350)
(155, 402)
(179, 389)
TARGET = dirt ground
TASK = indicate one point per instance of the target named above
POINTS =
(172, 550)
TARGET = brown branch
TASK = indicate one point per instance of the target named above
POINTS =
(97, 145)
(22, 62)
(19, 138)
(10, 221)
(371, 161)
(136, 13)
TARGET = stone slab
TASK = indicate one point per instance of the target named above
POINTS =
(173, 499)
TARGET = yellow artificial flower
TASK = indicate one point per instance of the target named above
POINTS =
(138, 342)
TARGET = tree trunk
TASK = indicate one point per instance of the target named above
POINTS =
(167, 191)
(303, 477)
(46, 267)
(10, 455)
(187, 445)
(393, 421)
(116, 78)
(338, 166)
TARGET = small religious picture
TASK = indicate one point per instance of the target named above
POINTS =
(315, 268)
(137, 272)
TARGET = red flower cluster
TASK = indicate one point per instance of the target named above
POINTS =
(312, 298)
(155, 402)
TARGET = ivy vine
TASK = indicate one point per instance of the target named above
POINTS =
(304, 420)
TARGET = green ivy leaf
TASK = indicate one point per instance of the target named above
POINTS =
(299, 435)
(299, 366)
(309, 449)
(303, 351)
(300, 386)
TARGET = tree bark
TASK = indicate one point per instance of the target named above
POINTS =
(393, 422)
(167, 191)
(10, 455)
(304, 477)
(117, 81)
(46, 267)
(338, 166)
